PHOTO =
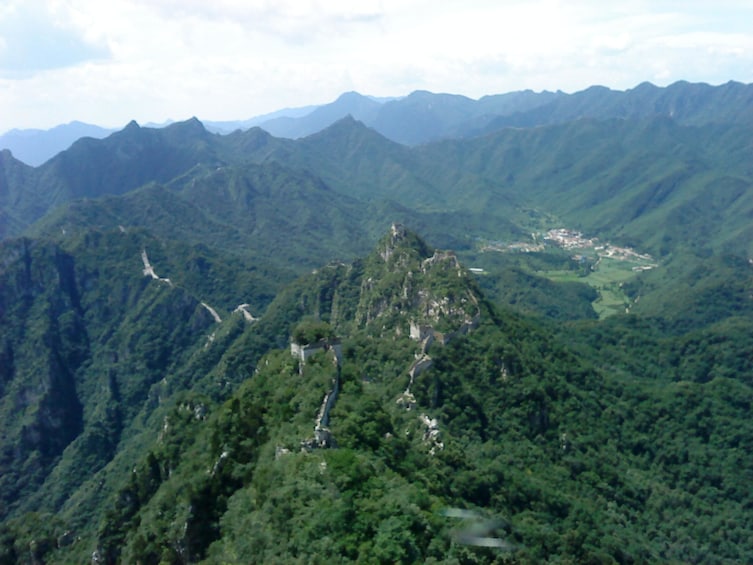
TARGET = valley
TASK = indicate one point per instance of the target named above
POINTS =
(602, 265)
(331, 347)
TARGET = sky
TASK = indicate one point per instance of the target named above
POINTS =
(108, 62)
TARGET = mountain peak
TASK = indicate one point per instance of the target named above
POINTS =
(192, 125)
(401, 238)
(345, 126)
(407, 281)
(645, 86)
(351, 96)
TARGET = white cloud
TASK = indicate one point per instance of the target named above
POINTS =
(232, 59)
(35, 36)
(296, 21)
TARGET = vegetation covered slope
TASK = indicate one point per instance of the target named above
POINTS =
(153, 409)
(654, 179)
(453, 422)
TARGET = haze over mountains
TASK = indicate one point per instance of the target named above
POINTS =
(526, 318)
(423, 117)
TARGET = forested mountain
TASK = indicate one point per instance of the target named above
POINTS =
(652, 181)
(525, 344)
(424, 116)
(686, 103)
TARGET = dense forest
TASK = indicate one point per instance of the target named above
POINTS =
(522, 340)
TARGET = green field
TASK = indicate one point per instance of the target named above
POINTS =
(606, 277)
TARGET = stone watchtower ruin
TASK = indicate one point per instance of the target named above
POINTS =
(323, 437)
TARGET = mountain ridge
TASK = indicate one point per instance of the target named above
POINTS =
(231, 349)
(501, 418)
(524, 108)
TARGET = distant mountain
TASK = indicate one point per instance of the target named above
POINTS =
(424, 117)
(684, 102)
(651, 183)
(225, 127)
(35, 146)
(90, 168)
(418, 118)
(236, 209)
(360, 107)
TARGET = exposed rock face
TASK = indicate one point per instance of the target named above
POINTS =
(81, 348)
(431, 434)
(406, 280)
(403, 288)
(45, 344)
(429, 335)
(409, 289)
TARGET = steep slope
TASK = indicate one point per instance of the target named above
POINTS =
(357, 161)
(14, 177)
(88, 329)
(424, 425)
(618, 179)
(276, 218)
(615, 178)
(126, 160)
(653, 183)
(114, 165)
(501, 419)
(166, 396)
(658, 186)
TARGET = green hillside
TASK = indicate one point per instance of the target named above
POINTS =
(231, 349)
(192, 440)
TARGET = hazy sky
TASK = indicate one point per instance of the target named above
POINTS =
(110, 61)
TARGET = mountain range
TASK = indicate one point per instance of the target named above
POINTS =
(515, 329)
(423, 117)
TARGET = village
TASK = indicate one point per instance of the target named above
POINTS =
(573, 240)
(576, 242)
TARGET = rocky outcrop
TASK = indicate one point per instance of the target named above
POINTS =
(432, 434)
(405, 280)
(428, 334)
